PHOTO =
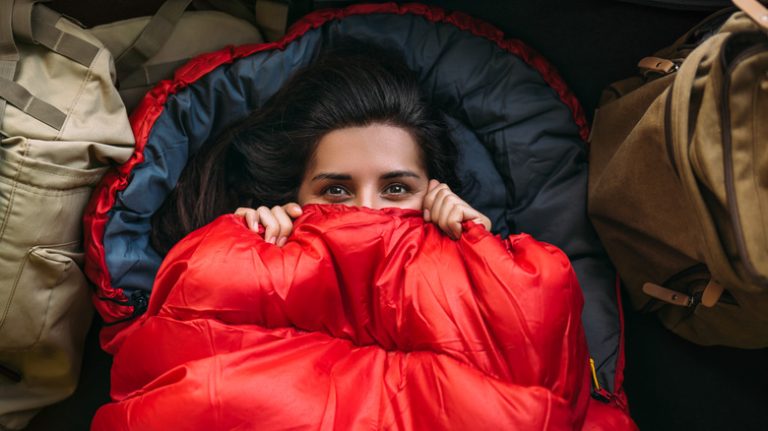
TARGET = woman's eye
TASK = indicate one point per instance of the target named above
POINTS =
(396, 189)
(335, 191)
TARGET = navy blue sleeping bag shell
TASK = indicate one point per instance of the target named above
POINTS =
(521, 151)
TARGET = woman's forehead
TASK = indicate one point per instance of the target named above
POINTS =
(375, 147)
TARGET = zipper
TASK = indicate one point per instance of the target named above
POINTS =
(139, 300)
(730, 188)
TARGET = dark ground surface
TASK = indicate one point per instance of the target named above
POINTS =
(671, 383)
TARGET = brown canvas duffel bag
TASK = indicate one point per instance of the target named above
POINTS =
(678, 188)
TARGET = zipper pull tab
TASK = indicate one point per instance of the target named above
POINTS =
(711, 293)
(667, 295)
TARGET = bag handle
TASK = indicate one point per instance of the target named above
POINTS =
(9, 54)
(755, 10)
(35, 24)
(152, 38)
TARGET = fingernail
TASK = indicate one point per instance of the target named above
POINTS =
(426, 214)
(281, 242)
(272, 240)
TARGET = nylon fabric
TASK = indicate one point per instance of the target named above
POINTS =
(475, 333)
(533, 163)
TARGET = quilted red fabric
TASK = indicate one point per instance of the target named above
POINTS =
(364, 320)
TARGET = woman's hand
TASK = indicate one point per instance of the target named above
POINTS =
(445, 209)
(277, 221)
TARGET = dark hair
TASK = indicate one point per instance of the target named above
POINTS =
(262, 159)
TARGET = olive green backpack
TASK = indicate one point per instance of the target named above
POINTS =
(62, 125)
(678, 187)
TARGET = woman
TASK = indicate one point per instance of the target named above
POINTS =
(365, 319)
(353, 128)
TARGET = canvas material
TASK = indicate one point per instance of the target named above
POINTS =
(660, 197)
(195, 33)
(46, 178)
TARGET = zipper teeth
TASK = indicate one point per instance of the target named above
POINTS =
(730, 188)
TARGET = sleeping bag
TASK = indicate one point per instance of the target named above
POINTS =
(519, 130)
(365, 319)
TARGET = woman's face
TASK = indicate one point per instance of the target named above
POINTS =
(374, 166)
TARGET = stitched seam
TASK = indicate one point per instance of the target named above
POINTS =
(50, 296)
(12, 292)
(14, 185)
(80, 92)
(46, 191)
(53, 171)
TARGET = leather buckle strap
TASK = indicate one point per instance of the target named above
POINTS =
(656, 64)
(709, 296)
(667, 295)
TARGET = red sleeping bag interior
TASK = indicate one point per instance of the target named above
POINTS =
(365, 319)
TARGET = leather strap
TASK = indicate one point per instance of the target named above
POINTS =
(667, 295)
(19, 97)
(711, 293)
(152, 38)
(656, 64)
(755, 10)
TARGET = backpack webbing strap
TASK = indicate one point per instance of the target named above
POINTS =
(151, 74)
(152, 38)
(9, 55)
(45, 33)
(19, 97)
(36, 24)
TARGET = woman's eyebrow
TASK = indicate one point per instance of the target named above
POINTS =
(399, 174)
(332, 176)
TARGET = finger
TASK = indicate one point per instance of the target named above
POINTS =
(477, 217)
(285, 223)
(293, 209)
(427, 203)
(271, 227)
(454, 221)
(429, 198)
(439, 205)
(450, 216)
(251, 219)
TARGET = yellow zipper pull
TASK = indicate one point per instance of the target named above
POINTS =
(594, 374)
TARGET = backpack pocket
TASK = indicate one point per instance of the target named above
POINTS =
(48, 285)
(43, 292)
